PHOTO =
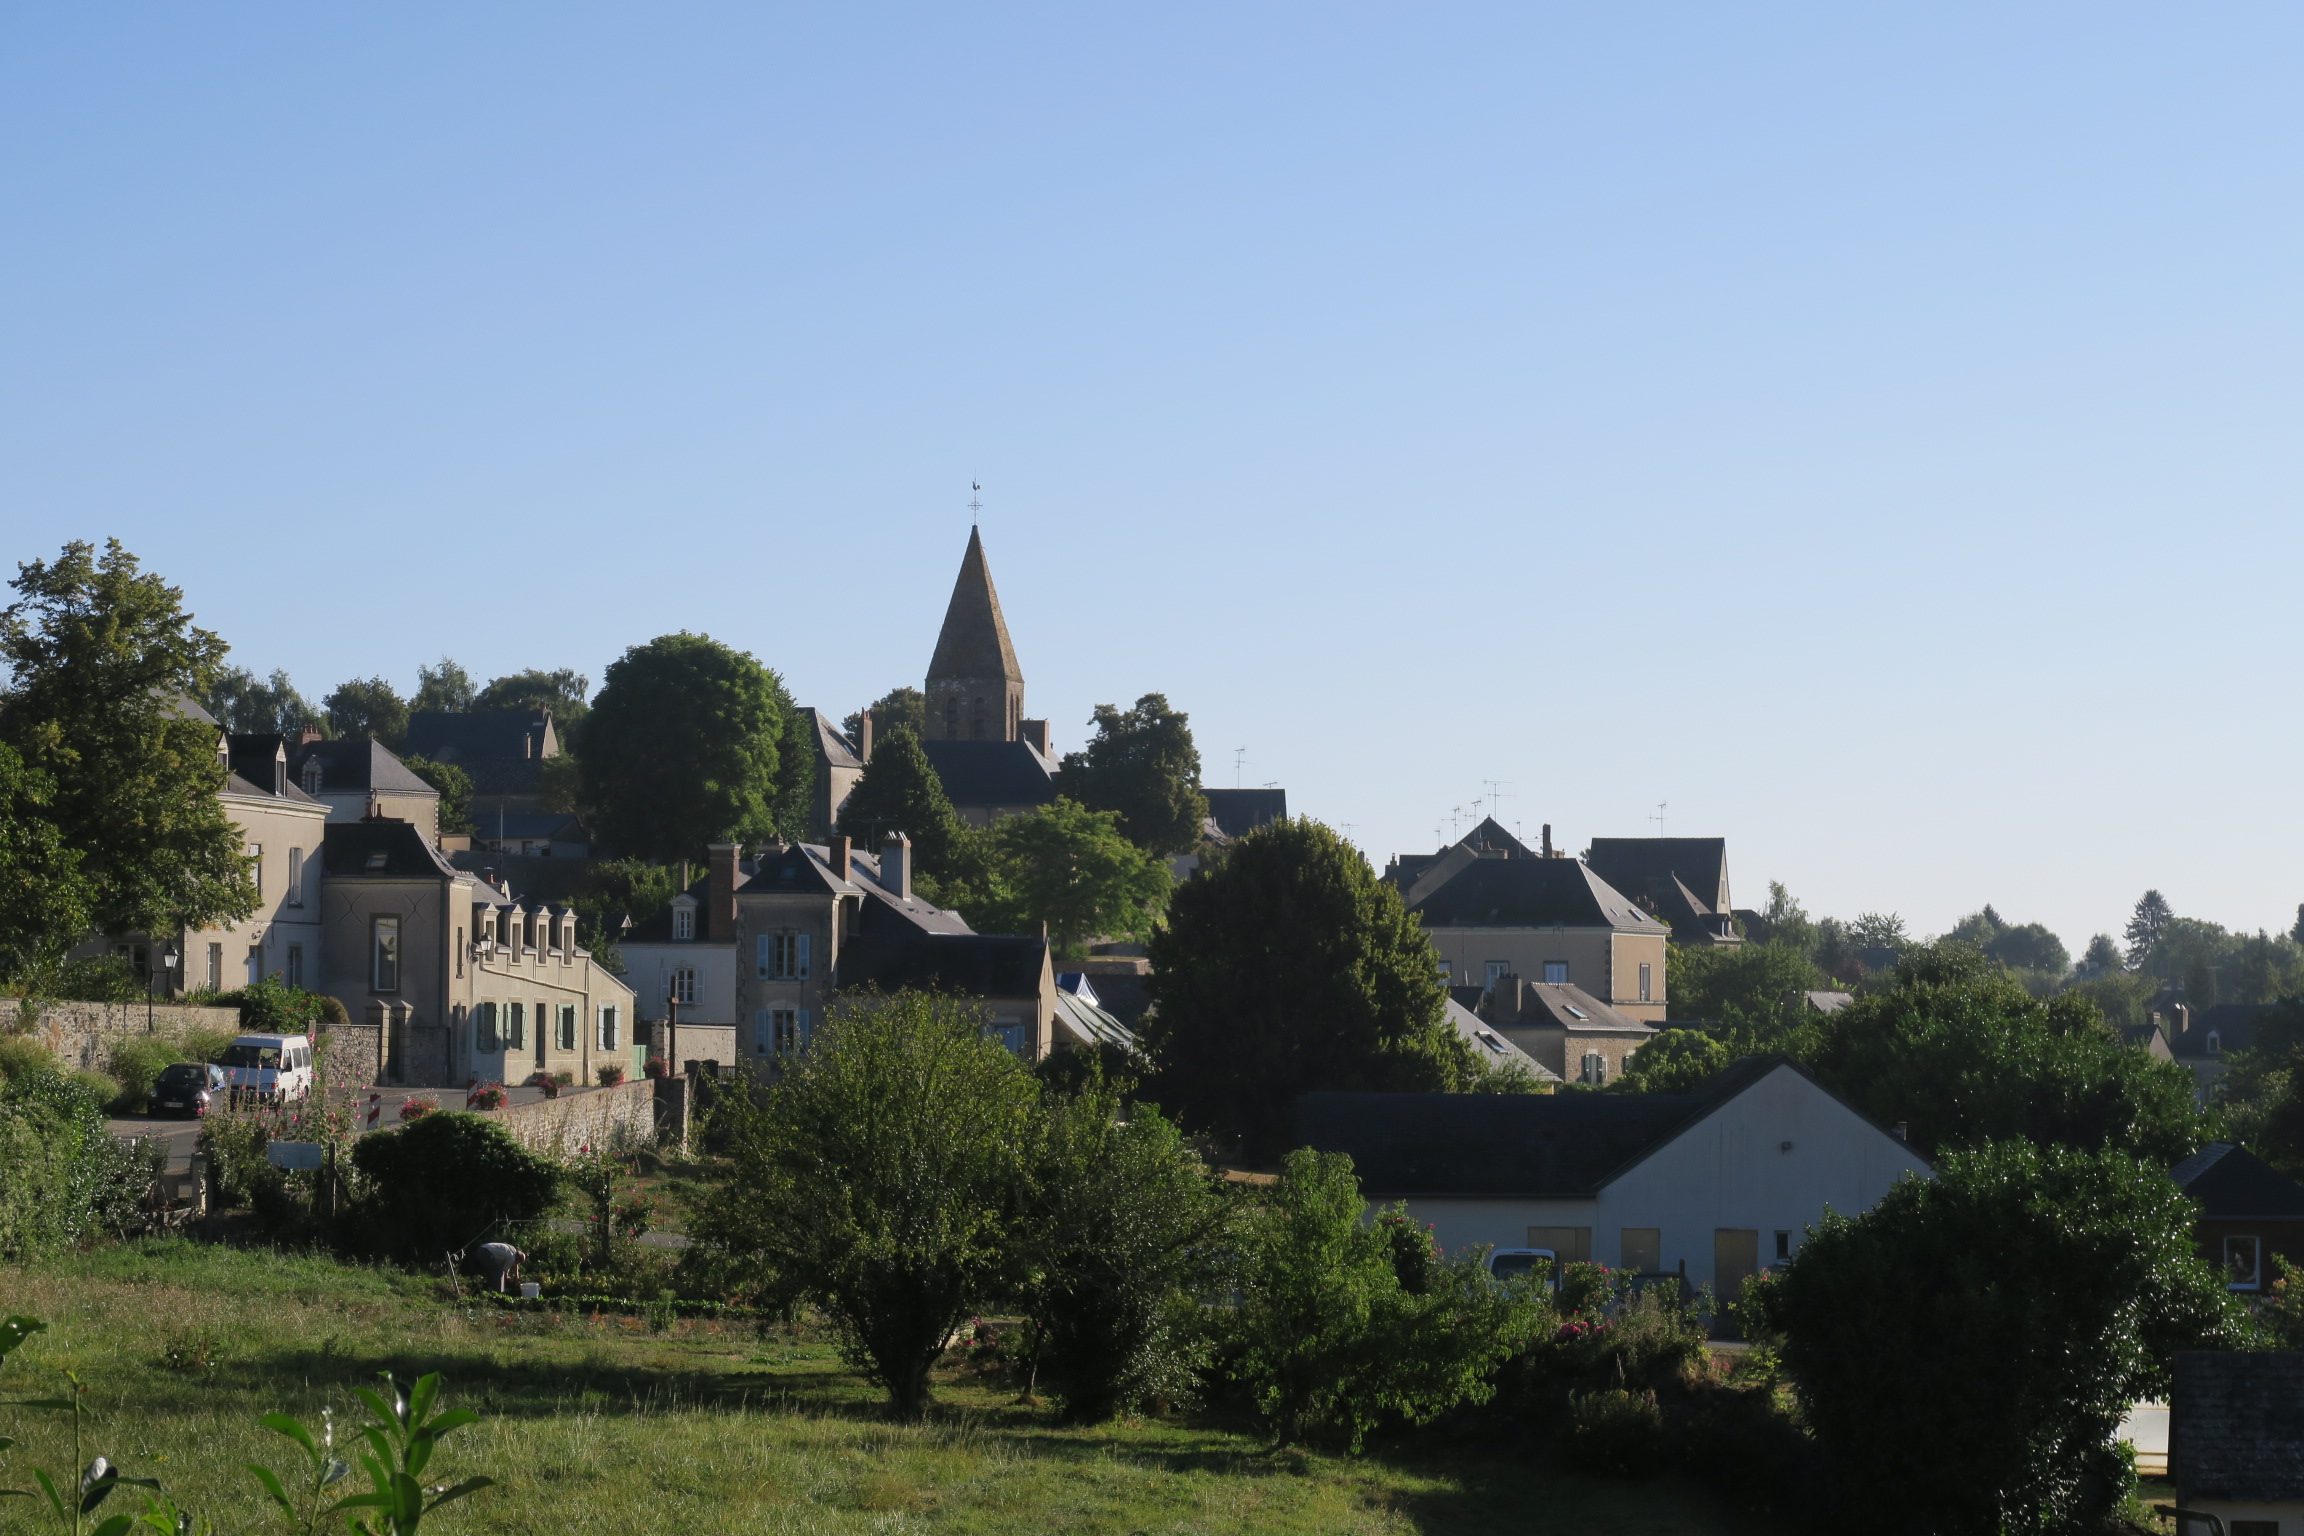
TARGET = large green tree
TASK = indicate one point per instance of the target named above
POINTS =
(2145, 925)
(2019, 946)
(43, 899)
(102, 659)
(884, 1180)
(367, 706)
(2040, 1290)
(446, 687)
(253, 706)
(686, 747)
(563, 692)
(899, 792)
(1289, 967)
(1674, 1062)
(455, 786)
(1955, 1047)
(1071, 868)
(1751, 996)
(906, 707)
(1141, 764)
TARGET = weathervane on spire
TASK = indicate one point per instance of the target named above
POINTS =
(975, 501)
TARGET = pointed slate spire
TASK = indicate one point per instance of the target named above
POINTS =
(974, 645)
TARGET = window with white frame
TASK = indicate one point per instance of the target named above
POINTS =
(788, 1029)
(295, 892)
(294, 974)
(781, 955)
(1556, 972)
(256, 868)
(608, 1029)
(684, 986)
(567, 1026)
(384, 949)
(1595, 1069)
(684, 923)
(1645, 977)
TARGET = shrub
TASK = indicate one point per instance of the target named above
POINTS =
(271, 1007)
(1123, 1223)
(332, 1010)
(63, 1180)
(417, 1105)
(20, 1054)
(564, 1079)
(654, 1067)
(610, 1073)
(883, 1179)
(443, 1182)
(1328, 1342)
(547, 1082)
(1616, 1430)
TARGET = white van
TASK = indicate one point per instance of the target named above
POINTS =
(268, 1069)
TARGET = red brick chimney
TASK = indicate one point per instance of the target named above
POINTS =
(720, 894)
(837, 855)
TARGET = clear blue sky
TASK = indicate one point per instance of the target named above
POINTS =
(1872, 430)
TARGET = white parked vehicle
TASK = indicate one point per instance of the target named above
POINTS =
(1539, 1264)
(268, 1069)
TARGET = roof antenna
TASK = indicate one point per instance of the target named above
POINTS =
(975, 501)
(1239, 756)
(1496, 788)
(1658, 818)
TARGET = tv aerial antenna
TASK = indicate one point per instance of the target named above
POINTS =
(1239, 756)
(1658, 818)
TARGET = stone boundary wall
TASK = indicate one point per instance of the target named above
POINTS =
(583, 1117)
(81, 1035)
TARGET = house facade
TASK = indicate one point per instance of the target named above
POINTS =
(1575, 1036)
(2250, 1214)
(1495, 908)
(1711, 1186)
(2236, 1441)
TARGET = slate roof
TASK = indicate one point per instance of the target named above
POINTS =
(986, 773)
(1086, 1023)
(1828, 1002)
(974, 640)
(2233, 1024)
(1565, 1145)
(255, 762)
(2231, 1183)
(971, 964)
(1562, 1005)
(357, 764)
(380, 849)
(1699, 863)
(1530, 893)
(1238, 812)
(1491, 1045)
(482, 735)
(512, 826)
(831, 746)
(2236, 1426)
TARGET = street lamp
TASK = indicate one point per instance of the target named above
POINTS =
(168, 959)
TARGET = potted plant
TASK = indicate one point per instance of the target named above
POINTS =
(484, 1096)
(547, 1082)
(610, 1074)
(417, 1105)
(655, 1066)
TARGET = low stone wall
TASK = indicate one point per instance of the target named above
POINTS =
(594, 1117)
(81, 1035)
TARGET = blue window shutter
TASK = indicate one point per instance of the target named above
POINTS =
(803, 971)
(802, 1034)
(760, 954)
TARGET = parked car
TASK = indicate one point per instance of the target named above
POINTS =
(1521, 1263)
(187, 1088)
(270, 1069)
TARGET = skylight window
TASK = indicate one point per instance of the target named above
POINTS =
(378, 859)
(1576, 1013)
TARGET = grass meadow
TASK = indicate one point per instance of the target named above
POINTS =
(608, 1425)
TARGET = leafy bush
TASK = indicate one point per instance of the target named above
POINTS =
(441, 1183)
(136, 1063)
(417, 1105)
(272, 1007)
(1327, 1341)
(332, 1010)
(2283, 1308)
(20, 1054)
(2043, 1289)
(1123, 1227)
(610, 1073)
(1616, 1430)
(63, 1179)
(484, 1096)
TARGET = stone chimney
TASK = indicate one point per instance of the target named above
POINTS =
(720, 894)
(896, 866)
(1548, 841)
(837, 855)
(1035, 732)
(1508, 995)
(306, 735)
(2183, 1017)
(864, 737)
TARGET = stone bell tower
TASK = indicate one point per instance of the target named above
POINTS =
(975, 689)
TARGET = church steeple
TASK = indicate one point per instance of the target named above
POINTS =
(975, 688)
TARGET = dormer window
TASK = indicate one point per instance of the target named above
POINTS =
(2215, 1043)
(683, 923)
(312, 772)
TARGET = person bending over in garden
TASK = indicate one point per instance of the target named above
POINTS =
(500, 1262)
